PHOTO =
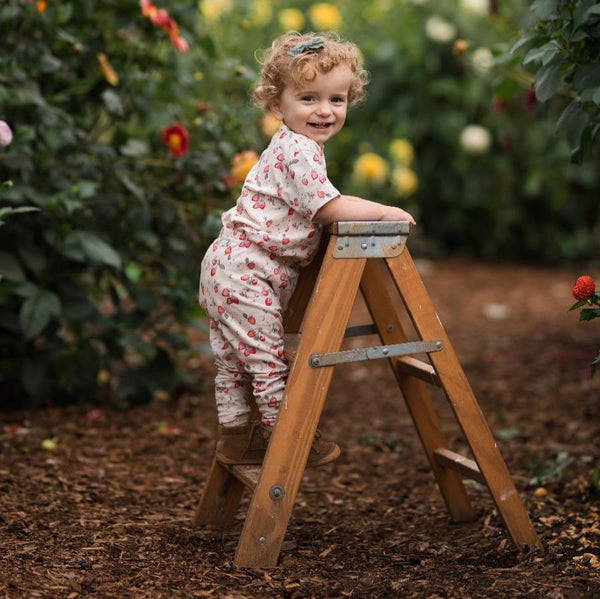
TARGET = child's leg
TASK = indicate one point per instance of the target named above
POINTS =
(230, 381)
(256, 350)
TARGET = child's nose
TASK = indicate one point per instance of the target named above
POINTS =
(324, 108)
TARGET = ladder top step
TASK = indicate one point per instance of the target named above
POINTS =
(370, 227)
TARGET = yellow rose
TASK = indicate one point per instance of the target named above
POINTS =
(402, 151)
(325, 16)
(261, 12)
(371, 168)
(291, 19)
(269, 125)
(405, 181)
(213, 10)
(241, 165)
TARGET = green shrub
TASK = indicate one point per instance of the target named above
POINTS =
(565, 41)
(97, 281)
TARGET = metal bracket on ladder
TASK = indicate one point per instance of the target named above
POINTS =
(370, 239)
(374, 353)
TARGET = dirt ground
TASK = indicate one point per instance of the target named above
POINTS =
(96, 502)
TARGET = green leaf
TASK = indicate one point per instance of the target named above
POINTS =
(573, 121)
(32, 255)
(578, 305)
(586, 75)
(523, 41)
(548, 80)
(10, 268)
(544, 8)
(80, 244)
(591, 94)
(37, 311)
(589, 314)
(583, 13)
(544, 53)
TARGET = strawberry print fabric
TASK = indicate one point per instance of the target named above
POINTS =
(249, 273)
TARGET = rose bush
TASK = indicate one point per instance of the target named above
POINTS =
(584, 291)
(116, 158)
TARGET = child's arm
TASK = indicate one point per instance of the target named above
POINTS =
(353, 208)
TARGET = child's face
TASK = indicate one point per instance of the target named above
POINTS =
(317, 108)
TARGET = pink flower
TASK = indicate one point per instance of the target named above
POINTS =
(179, 43)
(6, 133)
(584, 288)
(176, 139)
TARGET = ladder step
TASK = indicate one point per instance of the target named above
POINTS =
(422, 370)
(247, 475)
(454, 461)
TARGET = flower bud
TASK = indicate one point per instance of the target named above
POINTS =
(584, 288)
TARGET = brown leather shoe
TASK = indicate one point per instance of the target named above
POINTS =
(247, 444)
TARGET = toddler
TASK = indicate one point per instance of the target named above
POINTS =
(249, 272)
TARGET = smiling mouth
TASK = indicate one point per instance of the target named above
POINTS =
(320, 125)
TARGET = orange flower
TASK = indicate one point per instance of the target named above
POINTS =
(41, 5)
(147, 7)
(584, 288)
(176, 139)
(240, 166)
(160, 18)
(107, 70)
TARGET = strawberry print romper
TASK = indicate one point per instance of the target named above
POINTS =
(249, 272)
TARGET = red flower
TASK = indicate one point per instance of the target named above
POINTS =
(179, 43)
(584, 288)
(176, 138)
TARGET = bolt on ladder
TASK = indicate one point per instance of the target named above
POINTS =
(361, 256)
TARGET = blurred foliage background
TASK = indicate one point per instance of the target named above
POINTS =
(133, 129)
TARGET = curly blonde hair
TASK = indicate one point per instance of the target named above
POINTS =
(279, 69)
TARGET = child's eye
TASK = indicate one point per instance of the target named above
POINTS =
(338, 100)
(307, 98)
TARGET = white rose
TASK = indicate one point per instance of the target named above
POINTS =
(439, 30)
(6, 134)
(482, 59)
(475, 139)
(476, 7)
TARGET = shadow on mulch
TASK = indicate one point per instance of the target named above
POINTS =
(98, 503)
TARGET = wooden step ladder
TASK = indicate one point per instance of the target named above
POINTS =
(361, 256)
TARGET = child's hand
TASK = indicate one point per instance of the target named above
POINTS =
(395, 213)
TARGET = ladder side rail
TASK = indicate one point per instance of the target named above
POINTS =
(381, 306)
(462, 400)
(220, 499)
(324, 325)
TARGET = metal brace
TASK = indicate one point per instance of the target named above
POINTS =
(374, 353)
(370, 239)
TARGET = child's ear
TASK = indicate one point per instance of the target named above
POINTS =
(275, 110)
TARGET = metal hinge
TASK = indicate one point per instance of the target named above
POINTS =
(374, 353)
(370, 239)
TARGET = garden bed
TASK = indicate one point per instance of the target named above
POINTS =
(96, 502)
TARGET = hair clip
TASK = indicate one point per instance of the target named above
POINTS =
(314, 44)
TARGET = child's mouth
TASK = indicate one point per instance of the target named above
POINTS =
(320, 125)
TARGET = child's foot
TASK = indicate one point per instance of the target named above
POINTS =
(247, 444)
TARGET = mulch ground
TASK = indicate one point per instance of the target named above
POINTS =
(97, 502)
